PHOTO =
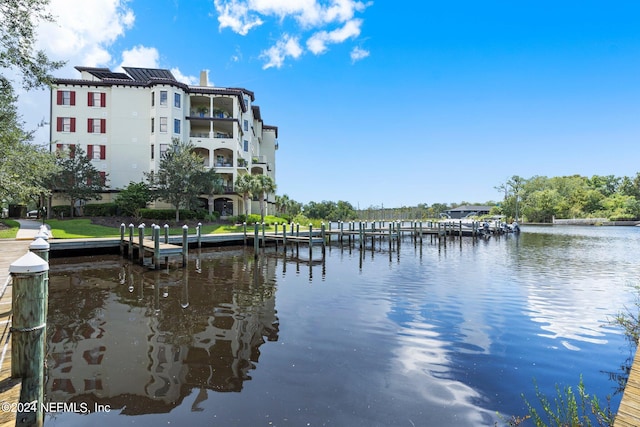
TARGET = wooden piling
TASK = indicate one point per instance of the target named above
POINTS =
(185, 245)
(28, 333)
(141, 244)
(131, 241)
(156, 247)
(166, 233)
(122, 228)
(256, 243)
(199, 234)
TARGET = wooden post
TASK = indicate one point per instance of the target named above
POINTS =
(324, 236)
(460, 229)
(28, 333)
(185, 245)
(264, 240)
(256, 243)
(122, 228)
(156, 247)
(166, 233)
(40, 247)
(244, 228)
(310, 242)
(141, 243)
(284, 237)
(199, 235)
(131, 241)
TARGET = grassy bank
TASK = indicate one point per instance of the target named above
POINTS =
(83, 228)
(8, 229)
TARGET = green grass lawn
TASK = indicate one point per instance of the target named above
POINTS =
(9, 233)
(77, 228)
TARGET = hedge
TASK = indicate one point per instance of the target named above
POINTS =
(100, 209)
(170, 214)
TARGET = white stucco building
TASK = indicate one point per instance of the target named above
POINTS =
(126, 120)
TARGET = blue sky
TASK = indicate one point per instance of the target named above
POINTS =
(387, 102)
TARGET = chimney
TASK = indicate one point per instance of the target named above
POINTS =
(204, 77)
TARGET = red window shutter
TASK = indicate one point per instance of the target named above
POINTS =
(59, 147)
(73, 124)
(103, 152)
(73, 97)
(59, 124)
(72, 151)
(59, 97)
(90, 125)
(90, 151)
(103, 178)
(103, 125)
(103, 99)
(90, 99)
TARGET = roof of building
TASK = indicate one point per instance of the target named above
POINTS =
(147, 74)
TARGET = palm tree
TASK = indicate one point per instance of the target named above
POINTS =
(244, 186)
(263, 185)
(281, 204)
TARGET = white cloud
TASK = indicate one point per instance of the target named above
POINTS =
(140, 56)
(275, 55)
(241, 16)
(358, 53)
(83, 31)
(317, 43)
(190, 80)
(237, 16)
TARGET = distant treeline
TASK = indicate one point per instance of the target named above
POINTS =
(535, 199)
(540, 199)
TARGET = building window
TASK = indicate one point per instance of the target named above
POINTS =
(153, 99)
(246, 145)
(246, 125)
(153, 123)
(152, 151)
(163, 124)
(246, 102)
(66, 97)
(97, 152)
(163, 97)
(96, 125)
(66, 124)
(163, 149)
(176, 126)
(69, 149)
(97, 99)
(177, 100)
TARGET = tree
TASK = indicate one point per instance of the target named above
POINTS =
(263, 185)
(179, 177)
(211, 183)
(18, 23)
(23, 166)
(78, 180)
(244, 186)
(133, 198)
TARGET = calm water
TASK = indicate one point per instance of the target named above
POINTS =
(430, 335)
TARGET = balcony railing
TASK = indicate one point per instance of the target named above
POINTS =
(223, 164)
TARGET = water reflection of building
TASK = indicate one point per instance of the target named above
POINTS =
(131, 344)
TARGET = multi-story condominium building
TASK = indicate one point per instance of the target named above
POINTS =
(125, 122)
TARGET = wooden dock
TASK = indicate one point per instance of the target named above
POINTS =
(628, 414)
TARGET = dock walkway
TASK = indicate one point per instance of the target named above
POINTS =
(628, 414)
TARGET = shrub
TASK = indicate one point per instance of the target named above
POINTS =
(170, 214)
(100, 209)
(61, 211)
